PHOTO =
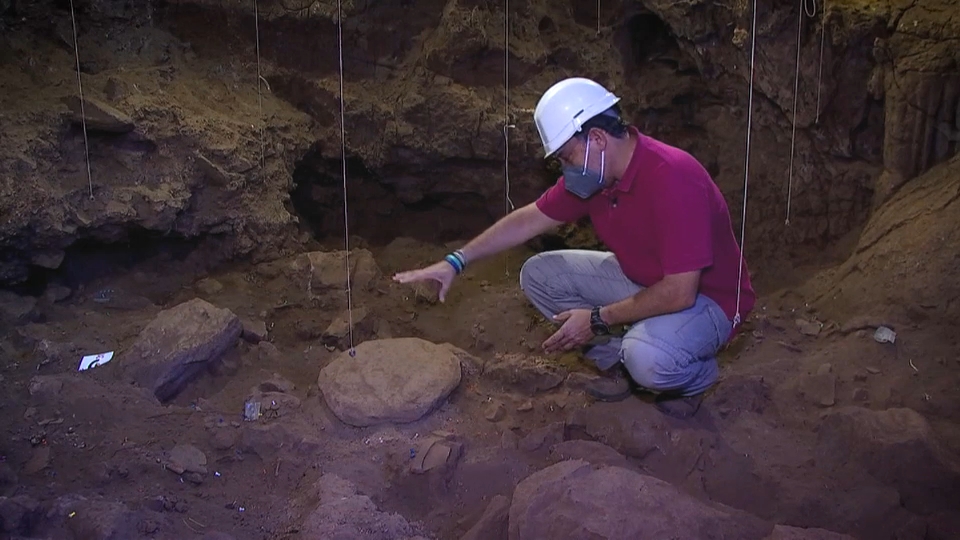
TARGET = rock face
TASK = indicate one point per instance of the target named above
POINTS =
(782, 532)
(425, 113)
(897, 447)
(177, 345)
(344, 513)
(390, 380)
(573, 500)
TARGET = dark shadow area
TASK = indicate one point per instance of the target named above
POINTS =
(402, 203)
(647, 38)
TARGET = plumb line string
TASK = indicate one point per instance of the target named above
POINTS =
(83, 114)
(343, 168)
(746, 167)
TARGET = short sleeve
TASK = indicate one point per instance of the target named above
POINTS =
(683, 218)
(559, 204)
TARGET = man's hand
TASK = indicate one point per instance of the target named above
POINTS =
(440, 272)
(574, 332)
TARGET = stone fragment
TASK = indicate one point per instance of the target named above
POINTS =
(328, 269)
(395, 380)
(254, 331)
(98, 116)
(186, 458)
(527, 374)
(495, 411)
(178, 344)
(809, 328)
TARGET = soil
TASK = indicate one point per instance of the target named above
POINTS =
(814, 423)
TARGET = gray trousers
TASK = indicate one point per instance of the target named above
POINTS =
(673, 353)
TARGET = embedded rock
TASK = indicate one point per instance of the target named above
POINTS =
(391, 380)
(178, 344)
(895, 446)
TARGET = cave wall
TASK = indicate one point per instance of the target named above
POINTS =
(425, 113)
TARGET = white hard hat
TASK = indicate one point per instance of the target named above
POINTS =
(565, 106)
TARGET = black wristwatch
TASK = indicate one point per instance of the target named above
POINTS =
(599, 327)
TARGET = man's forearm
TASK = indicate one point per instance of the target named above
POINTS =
(659, 299)
(510, 231)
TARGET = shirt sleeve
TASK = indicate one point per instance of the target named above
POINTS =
(559, 204)
(683, 217)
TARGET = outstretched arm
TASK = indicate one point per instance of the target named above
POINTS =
(510, 231)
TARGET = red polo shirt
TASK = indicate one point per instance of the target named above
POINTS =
(665, 216)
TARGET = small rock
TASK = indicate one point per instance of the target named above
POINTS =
(15, 308)
(340, 327)
(187, 458)
(526, 406)
(873, 370)
(50, 260)
(544, 437)
(254, 331)
(528, 374)
(215, 173)
(98, 116)
(496, 411)
(57, 293)
(809, 328)
(44, 387)
(277, 384)
(268, 353)
(821, 389)
(824, 369)
(209, 286)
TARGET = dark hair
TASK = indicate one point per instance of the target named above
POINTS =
(609, 121)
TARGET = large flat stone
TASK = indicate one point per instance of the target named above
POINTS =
(573, 500)
(390, 380)
(177, 345)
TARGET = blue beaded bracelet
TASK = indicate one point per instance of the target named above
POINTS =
(454, 262)
(457, 260)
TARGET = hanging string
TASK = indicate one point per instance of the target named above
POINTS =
(823, 32)
(508, 203)
(83, 113)
(810, 8)
(598, 17)
(256, 19)
(746, 167)
(343, 166)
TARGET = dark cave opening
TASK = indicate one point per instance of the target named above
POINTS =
(646, 38)
(117, 253)
(382, 206)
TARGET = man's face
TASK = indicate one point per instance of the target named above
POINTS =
(574, 151)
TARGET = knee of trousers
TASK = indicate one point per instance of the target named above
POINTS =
(652, 367)
(533, 272)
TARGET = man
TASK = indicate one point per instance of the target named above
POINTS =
(674, 267)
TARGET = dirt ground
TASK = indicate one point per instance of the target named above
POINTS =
(88, 444)
(814, 424)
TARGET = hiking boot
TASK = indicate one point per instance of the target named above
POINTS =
(611, 385)
(680, 407)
